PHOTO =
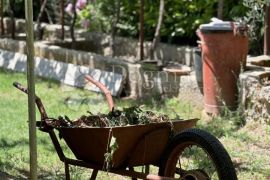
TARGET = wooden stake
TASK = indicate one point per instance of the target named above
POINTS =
(31, 87)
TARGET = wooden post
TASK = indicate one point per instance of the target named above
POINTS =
(2, 18)
(267, 31)
(142, 30)
(31, 87)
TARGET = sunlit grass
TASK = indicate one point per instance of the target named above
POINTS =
(248, 146)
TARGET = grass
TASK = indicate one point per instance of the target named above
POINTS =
(249, 145)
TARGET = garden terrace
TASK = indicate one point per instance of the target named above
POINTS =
(124, 63)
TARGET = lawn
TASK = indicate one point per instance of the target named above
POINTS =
(248, 145)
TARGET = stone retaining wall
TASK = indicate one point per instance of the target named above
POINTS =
(126, 47)
(138, 81)
(255, 94)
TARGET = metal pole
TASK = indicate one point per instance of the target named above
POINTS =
(31, 87)
(267, 31)
(142, 30)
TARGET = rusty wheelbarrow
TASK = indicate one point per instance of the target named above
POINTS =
(176, 149)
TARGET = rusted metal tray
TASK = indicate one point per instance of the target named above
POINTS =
(137, 144)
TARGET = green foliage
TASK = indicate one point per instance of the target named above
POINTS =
(181, 20)
(112, 147)
(255, 19)
(92, 12)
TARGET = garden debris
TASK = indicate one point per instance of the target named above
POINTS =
(128, 116)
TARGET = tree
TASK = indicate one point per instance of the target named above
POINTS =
(220, 9)
(39, 30)
(115, 20)
(73, 40)
(62, 19)
(1, 14)
(11, 12)
(156, 39)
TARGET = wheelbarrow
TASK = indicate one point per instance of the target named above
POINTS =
(175, 148)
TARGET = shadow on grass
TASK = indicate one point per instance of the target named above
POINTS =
(25, 174)
(42, 174)
(11, 144)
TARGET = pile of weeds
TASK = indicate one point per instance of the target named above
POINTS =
(128, 116)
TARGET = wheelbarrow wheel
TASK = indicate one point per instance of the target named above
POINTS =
(196, 154)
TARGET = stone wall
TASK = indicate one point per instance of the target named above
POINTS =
(138, 81)
(255, 94)
(127, 48)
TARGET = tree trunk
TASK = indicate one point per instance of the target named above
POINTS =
(142, 30)
(2, 21)
(113, 26)
(39, 30)
(220, 9)
(157, 33)
(11, 12)
(267, 31)
(62, 19)
(72, 26)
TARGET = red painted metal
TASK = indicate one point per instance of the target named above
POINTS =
(223, 54)
(104, 89)
(137, 144)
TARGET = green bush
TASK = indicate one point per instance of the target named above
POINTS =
(255, 19)
(181, 20)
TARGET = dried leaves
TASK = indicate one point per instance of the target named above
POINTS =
(128, 116)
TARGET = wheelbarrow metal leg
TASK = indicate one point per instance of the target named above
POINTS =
(67, 171)
(132, 169)
(147, 169)
(94, 174)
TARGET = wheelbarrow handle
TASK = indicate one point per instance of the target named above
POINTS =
(37, 100)
(20, 87)
(104, 89)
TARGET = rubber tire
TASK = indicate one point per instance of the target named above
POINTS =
(209, 144)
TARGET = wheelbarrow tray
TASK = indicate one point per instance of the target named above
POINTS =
(137, 144)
